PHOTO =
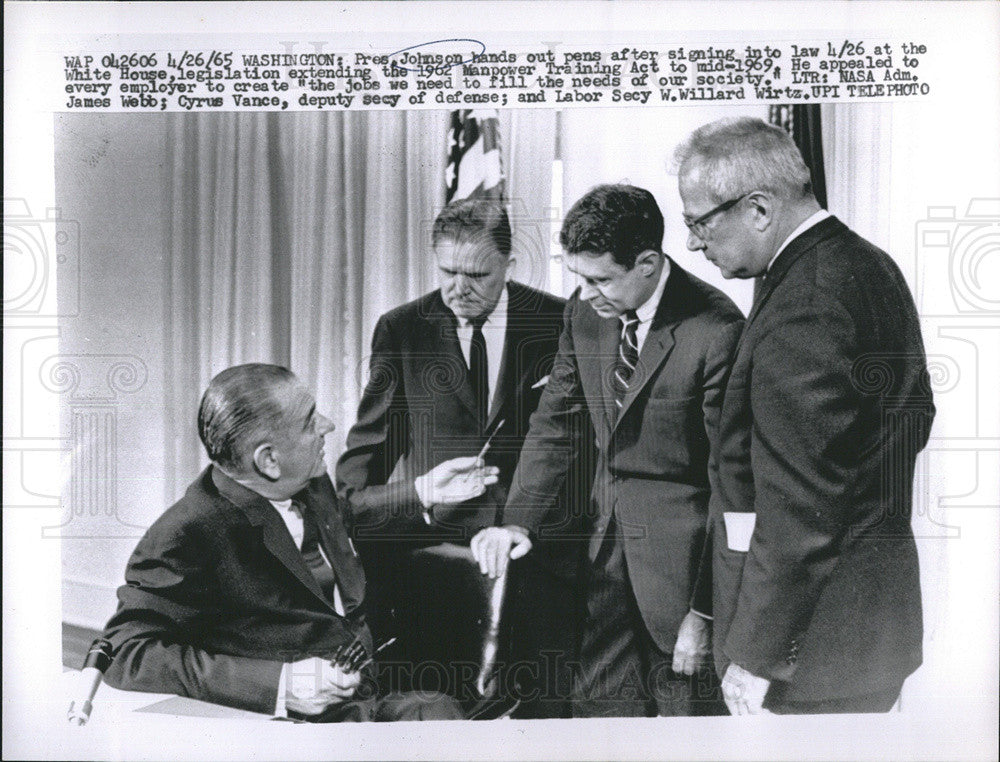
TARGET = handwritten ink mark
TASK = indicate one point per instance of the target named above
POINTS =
(434, 63)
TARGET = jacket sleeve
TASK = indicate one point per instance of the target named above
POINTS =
(557, 434)
(167, 598)
(375, 445)
(804, 450)
(718, 363)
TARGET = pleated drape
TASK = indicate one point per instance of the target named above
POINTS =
(290, 234)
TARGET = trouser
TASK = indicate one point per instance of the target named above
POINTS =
(621, 671)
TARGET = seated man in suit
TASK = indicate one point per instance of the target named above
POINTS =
(645, 351)
(817, 590)
(449, 370)
(247, 592)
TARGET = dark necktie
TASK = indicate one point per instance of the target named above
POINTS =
(311, 552)
(479, 370)
(628, 357)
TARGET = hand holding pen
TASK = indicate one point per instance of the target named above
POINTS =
(354, 657)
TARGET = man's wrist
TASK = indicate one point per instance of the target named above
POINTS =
(424, 490)
(424, 486)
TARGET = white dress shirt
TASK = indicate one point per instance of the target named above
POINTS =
(494, 334)
(647, 309)
(296, 528)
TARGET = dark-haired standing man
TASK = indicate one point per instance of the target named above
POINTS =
(645, 352)
(448, 370)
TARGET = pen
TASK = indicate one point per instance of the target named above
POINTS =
(490, 438)
(371, 658)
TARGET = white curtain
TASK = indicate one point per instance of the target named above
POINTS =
(290, 234)
(528, 139)
(857, 156)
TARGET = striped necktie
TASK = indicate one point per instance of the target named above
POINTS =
(628, 356)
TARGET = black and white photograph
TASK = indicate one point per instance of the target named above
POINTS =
(607, 376)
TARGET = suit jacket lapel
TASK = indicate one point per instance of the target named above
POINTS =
(337, 547)
(609, 337)
(596, 342)
(655, 350)
(506, 382)
(445, 326)
(518, 360)
(798, 246)
(674, 304)
(262, 514)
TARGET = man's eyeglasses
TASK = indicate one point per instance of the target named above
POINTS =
(698, 226)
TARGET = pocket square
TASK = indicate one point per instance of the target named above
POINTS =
(540, 383)
(739, 530)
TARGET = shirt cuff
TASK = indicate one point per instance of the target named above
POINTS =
(706, 617)
(280, 709)
(422, 488)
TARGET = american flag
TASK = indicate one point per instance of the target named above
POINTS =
(474, 166)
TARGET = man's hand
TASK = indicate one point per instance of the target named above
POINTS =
(314, 684)
(693, 644)
(455, 481)
(744, 692)
(494, 546)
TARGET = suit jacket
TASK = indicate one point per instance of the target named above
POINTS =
(655, 466)
(217, 597)
(828, 404)
(418, 410)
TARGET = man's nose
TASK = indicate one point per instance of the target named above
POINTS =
(462, 282)
(325, 425)
(694, 243)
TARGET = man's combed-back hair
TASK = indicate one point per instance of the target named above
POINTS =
(473, 220)
(240, 410)
(618, 219)
(738, 155)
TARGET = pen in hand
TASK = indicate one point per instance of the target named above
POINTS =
(353, 654)
(371, 658)
(352, 658)
(489, 440)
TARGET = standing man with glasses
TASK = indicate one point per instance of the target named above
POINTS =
(817, 591)
(645, 351)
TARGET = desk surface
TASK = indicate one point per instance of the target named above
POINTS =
(111, 702)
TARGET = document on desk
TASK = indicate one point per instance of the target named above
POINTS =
(182, 706)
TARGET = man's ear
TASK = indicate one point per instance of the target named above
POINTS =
(265, 463)
(646, 262)
(763, 208)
